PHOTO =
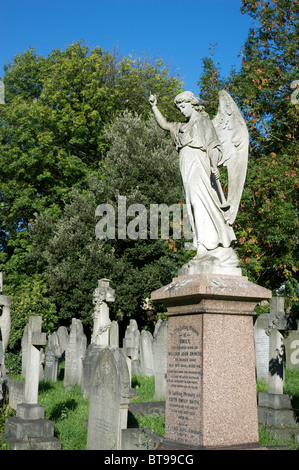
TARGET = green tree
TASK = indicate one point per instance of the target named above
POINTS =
(139, 157)
(52, 133)
(211, 82)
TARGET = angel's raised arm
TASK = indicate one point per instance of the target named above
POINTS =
(158, 115)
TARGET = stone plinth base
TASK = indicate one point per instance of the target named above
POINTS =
(35, 443)
(169, 445)
(30, 411)
(29, 431)
(276, 410)
(211, 385)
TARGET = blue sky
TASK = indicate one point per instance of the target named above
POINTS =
(179, 31)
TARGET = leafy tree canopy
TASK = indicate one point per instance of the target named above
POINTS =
(52, 131)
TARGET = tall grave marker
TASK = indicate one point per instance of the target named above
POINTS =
(160, 358)
(5, 326)
(28, 429)
(211, 385)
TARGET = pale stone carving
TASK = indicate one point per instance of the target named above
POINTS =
(203, 146)
(5, 320)
(101, 321)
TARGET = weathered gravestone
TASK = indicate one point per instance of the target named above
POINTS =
(5, 325)
(53, 353)
(131, 340)
(16, 393)
(36, 339)
(25, 343)
(131, 345)
(63, 337)
(5, 321)
(160, 358)
(101, 321)
(101, 329)
(74, 354)
(28, 429)
(114, 334)
(275, 407)
(261, 347)
(146, 353)
(109, 397)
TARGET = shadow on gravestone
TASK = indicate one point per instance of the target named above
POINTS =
(275, 407)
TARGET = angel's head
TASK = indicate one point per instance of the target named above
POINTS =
(186, 102)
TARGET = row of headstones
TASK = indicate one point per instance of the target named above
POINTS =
(146, 354)
(104, 374)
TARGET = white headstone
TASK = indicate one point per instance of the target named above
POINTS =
(35, 339)
(261, 342)
(52, 354)
(114, 334)
(160, 343)
(132, 340)
(74, 354)
(63, 337)
(146, 353)
(101, 321)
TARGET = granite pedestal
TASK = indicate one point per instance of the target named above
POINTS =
(211, 384)
(28, 430)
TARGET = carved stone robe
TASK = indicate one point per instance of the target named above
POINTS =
(193, 141)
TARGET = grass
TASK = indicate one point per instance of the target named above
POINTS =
(267, 435)
(69, 411)
(145, 387)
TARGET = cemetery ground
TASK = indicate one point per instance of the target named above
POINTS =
(69, 411)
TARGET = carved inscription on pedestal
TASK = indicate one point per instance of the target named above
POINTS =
(184, 383)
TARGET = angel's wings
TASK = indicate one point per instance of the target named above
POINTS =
(232, 132)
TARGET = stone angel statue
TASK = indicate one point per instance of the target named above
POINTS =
(203, 146)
